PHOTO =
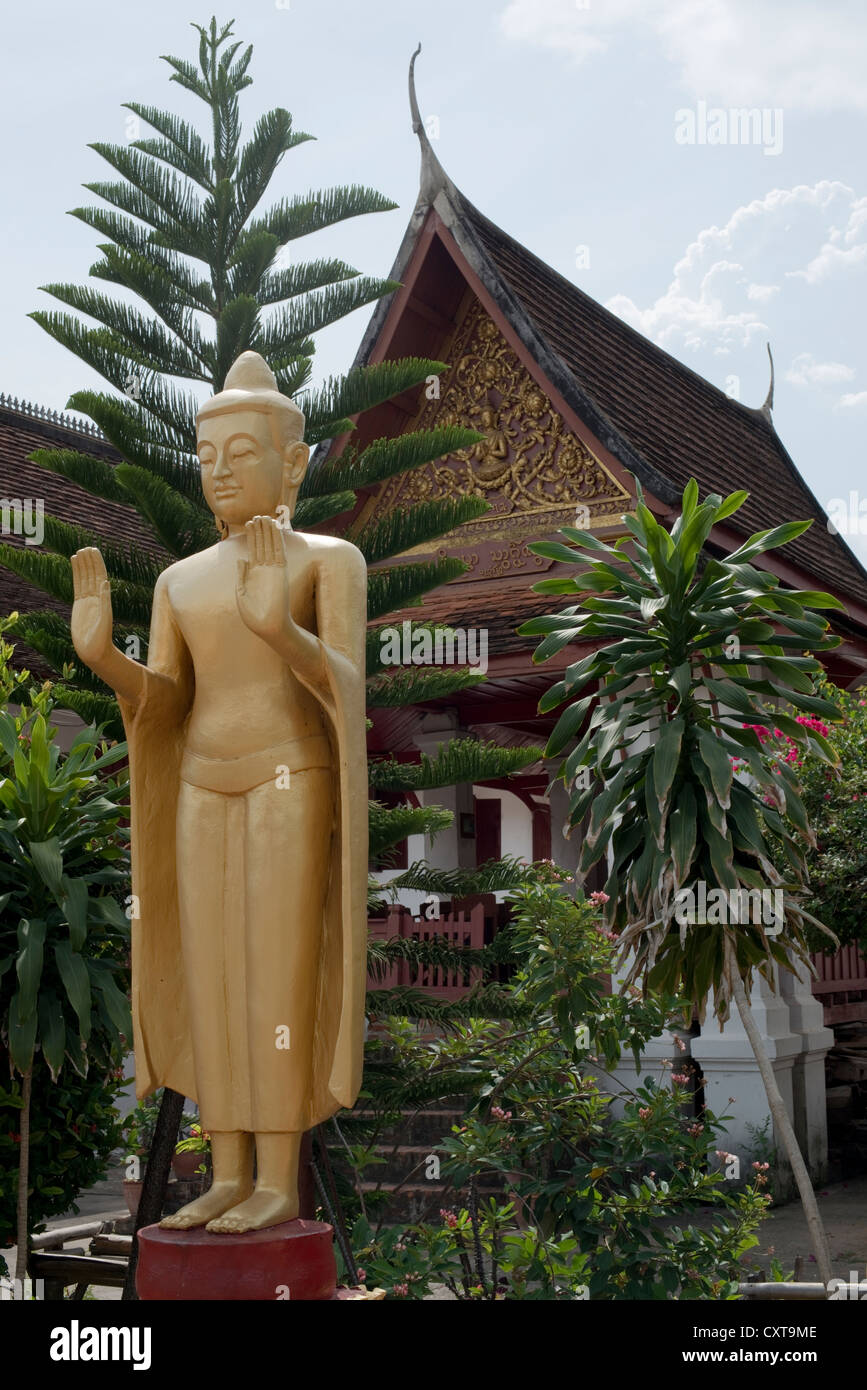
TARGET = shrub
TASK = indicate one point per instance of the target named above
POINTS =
(592, 1205)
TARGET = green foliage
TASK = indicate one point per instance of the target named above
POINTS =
(398, 586)
(461, 760)
(63, 871)
(140, 1125)
(493, 877)
(74, 1128)
(835, 800)
(691, 649)
(414, 686)
(590, 1203)
(64, 949)
(399, 531)
(391, 824)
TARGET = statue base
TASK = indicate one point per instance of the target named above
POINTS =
(293, 1261)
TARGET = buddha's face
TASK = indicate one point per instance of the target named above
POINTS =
(244, 472)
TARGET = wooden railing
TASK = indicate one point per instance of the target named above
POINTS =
(460, 928)
(841, 984)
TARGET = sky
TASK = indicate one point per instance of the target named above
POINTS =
(695, 165)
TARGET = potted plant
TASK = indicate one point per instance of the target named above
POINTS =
(192, 1153)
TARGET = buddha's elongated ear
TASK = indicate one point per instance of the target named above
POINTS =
(295, 457)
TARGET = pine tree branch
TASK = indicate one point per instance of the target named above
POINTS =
(289, 281)
(400, 531)
(181, 527)
(391, 824)
(93, 475)
(397, 587)
(385, 458)
(496, 876)
(461, 760)
(361, 389)
(416, 686)
(181, 146)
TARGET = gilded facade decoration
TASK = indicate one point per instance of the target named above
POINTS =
(530, 468)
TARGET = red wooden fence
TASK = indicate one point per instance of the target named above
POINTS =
(461, 928)
(841, 985)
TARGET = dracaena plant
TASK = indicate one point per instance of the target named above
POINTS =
(694, 652)
(691, 655)
(64, 935)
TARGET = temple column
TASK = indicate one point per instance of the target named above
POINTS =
(806, 1018)
(450, 849)
(733, 1084)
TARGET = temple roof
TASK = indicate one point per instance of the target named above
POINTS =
(660, 420)
(25, 428)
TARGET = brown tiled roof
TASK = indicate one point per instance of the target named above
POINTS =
(662, 419)
(498, 608)
(22, 432)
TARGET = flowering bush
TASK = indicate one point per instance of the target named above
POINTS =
(836, 803)
(589, 1204)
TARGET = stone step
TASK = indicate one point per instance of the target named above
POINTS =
(422, 1127)
(421, 1201)
(405, 1160)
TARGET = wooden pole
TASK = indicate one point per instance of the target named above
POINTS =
(156, 1178)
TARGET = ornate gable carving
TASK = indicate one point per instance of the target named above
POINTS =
(533, 472)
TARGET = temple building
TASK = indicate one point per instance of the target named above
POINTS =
(573, 405)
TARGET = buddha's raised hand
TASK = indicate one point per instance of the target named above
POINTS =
(91, 624)
(262, 589)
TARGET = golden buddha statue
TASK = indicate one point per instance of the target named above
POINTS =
(246, 732)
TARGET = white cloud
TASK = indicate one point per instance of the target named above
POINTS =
(806, 371)
(723, 282)
(790, 53)
(762, 293)
(853, 399)
(842, 249)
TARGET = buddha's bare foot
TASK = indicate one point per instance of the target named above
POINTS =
(219, 1197)
(264, 1208)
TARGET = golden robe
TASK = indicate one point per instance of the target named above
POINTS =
(155, 730)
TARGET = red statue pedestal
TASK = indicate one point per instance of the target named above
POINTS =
(293, 1261)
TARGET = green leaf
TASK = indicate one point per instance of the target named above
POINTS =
(666, 756)
(76, 981)
(718, 763)
(75, 906)
(683, 827)
(730, 504)
(22, 1034)
(52, 1031)
(567, 726)
(48, 862)
(28, 965)
(767, 540)
(117, 1004)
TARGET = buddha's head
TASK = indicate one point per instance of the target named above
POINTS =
(251, 452)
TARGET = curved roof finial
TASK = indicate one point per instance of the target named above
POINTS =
(768, 405)
(417, 126)
(433, 177)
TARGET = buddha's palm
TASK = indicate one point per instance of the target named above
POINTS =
(91, 623)
(262, 589)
